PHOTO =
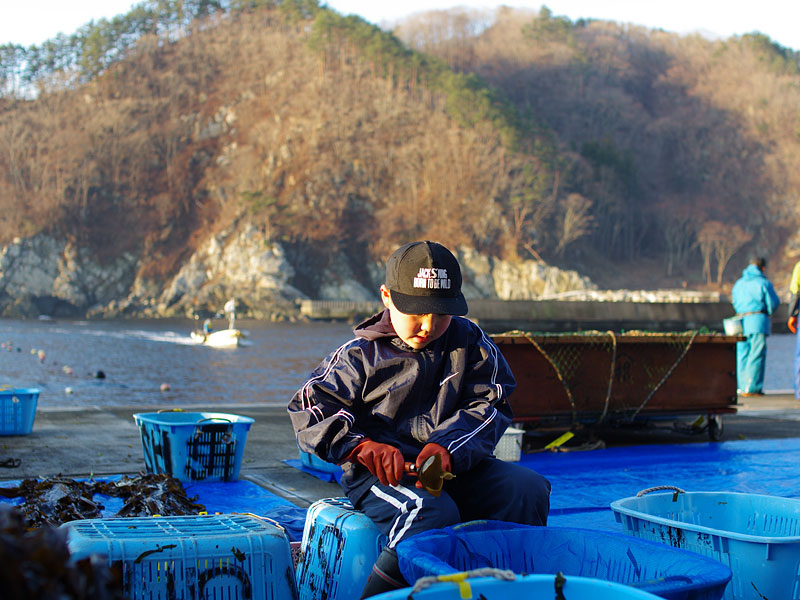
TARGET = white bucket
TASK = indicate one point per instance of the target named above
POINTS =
(732, 325)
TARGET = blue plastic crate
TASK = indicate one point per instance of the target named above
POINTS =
(312, 461)
(194, 446)
(655, 568)
(339, 547)
(528, 587)
(17, 410)
(236, 557)
(757, 536)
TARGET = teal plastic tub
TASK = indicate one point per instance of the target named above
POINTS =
(528, 587)
(17, 410)
(756, 536)
(192, 556)
(194, 446)
(526, 549)
(339, 547)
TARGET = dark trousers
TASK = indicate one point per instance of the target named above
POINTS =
(493, 489)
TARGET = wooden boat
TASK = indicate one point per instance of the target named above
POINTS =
(595, 377)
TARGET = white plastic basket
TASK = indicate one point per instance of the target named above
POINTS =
(509, 448)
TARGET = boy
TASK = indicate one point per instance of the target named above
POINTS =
(418, 380)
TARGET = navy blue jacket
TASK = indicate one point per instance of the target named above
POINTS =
(454, 392)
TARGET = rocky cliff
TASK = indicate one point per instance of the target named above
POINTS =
(45, 276)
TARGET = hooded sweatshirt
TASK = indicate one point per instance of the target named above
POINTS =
(454, 392)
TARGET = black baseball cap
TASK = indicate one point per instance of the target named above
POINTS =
(425, 278)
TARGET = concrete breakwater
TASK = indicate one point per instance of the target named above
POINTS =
(567, 315)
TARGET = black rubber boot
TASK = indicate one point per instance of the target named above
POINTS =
(385, 576)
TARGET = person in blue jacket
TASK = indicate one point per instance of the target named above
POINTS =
(418, 380)
(754, 300)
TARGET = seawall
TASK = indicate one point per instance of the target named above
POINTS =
(566, 315)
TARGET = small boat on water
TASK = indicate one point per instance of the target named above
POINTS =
(224, 338)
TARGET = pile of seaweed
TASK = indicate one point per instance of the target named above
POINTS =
(35, 565)
(56, 500)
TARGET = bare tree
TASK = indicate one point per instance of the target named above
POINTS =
(678, 225)
(727, 246)
(576, 222)
(707, 238)
(721, 242)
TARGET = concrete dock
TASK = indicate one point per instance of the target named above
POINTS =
(102, 442)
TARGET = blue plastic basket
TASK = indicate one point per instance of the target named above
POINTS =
(615, 557)
(339, 547)
(17, 410)
(312, 461)
(194, 446)
(198, 556)
(757, 536)
(528, 587)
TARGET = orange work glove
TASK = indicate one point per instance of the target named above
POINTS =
(792, 323)
(382, 460)
(429, 450)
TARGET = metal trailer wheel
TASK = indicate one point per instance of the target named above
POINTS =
(715, 427)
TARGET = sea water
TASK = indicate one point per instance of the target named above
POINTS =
(156, 363)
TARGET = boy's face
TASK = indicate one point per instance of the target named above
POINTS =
(416, 331)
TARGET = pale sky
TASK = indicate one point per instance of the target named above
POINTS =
(29, 22)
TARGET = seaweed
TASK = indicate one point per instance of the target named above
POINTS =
(36, 565)
(56, 500)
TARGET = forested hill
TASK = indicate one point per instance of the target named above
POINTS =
(610, 149)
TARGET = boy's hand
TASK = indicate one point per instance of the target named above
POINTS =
(429, 450)
(382, 460)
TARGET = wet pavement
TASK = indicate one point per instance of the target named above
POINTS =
(103, 442)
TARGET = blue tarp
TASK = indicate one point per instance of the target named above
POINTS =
(585, 483)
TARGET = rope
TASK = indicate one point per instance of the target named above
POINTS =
(558, 374)
(610, 376)
(566, 385)
(460, 578)
(664, 378)
(660, 487)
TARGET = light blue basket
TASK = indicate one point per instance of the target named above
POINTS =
(654, 568)
(17, 410)
(528, 587)
(196, 556)
(339, 547)
(757, 536)
(194, 446)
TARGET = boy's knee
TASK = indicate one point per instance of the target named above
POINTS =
(533, 492)
(526, 481)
